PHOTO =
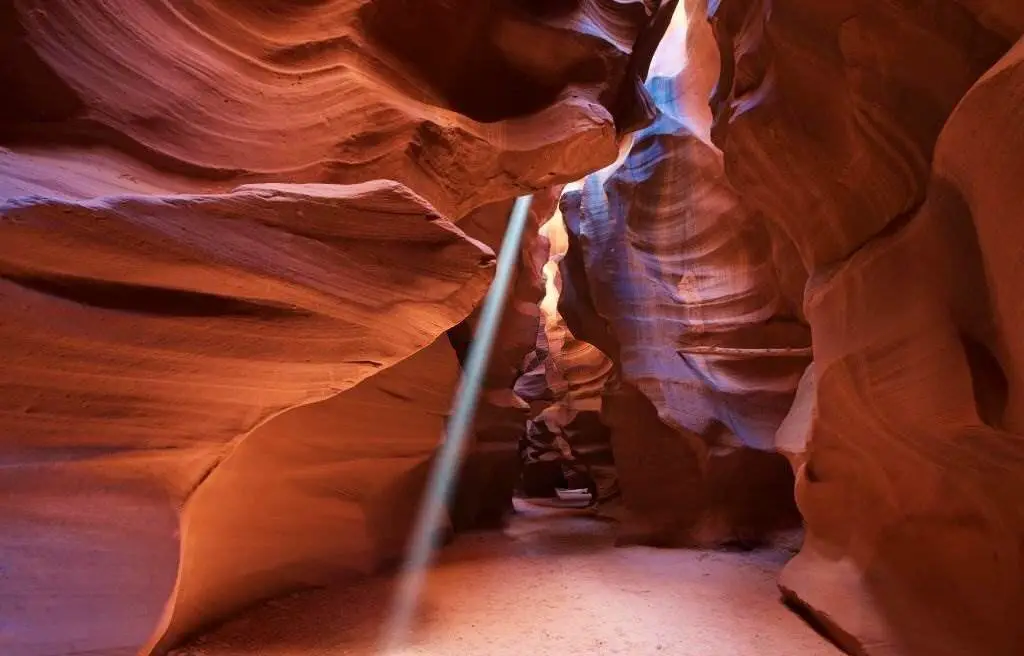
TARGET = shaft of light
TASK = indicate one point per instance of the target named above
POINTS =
(444, 475)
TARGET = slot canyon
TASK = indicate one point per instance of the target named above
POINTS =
(755, 389)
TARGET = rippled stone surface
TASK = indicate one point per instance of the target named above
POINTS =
(682, 285)
(214, 212)
(883, 138)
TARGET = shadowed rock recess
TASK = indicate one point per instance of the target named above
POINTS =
(772, 275)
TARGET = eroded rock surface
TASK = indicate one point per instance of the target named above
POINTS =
(212, 212)
(568, 428)
(318, 494)
(491, 466)
(885, 139)
(197, 318)
(343, 91)
(241, 245)
(679, 282)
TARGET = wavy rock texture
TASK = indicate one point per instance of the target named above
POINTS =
(317, 494)
(575, 375)
(492, 464)
(173, 284)
(578, 371)
(885, 138)
(356, 463)
(207, 220)
(342, 91)
(684, 278)
(198, 318)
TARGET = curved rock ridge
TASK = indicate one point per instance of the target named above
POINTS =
(684, 275)
(577, 371)
(680, 281)
(887, 142)
(190, 244)
(917, 430)
(864, 101)
(317, 495)
(194, 319)
(464, 102)
(564, 380)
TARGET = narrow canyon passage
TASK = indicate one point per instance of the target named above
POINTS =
(550, 584)
(770, 282)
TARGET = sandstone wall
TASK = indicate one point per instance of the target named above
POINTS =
(680, 283)
(213, 212)
(884, 139)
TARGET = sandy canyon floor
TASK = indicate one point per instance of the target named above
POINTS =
(551, 583)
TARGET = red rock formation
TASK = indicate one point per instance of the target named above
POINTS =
(342, 91)
(491, 465)
(212, 212)
(885, 139)
(578, 370)
(575, 375)
(198, 318)
(234, 238)
(679, 283)
(321, 493)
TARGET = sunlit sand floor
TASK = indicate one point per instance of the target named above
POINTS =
(552, 583)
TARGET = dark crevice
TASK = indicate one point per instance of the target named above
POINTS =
(396, 395)
(991, 388)
(152, 301)
(368, 363)
(452, 47)
(460, 337)
(33, 91)
(822, 625)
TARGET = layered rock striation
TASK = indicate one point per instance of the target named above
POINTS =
(213, 213)
(884, 139)
(241, 246)
(680, 282)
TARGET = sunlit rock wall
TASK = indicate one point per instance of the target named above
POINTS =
(885, 138)
(316, 495)
(575, 376)
(680, 283)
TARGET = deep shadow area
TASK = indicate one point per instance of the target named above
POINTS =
(991, 388)
(461, 50)
(150, 300)
(33, 92)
